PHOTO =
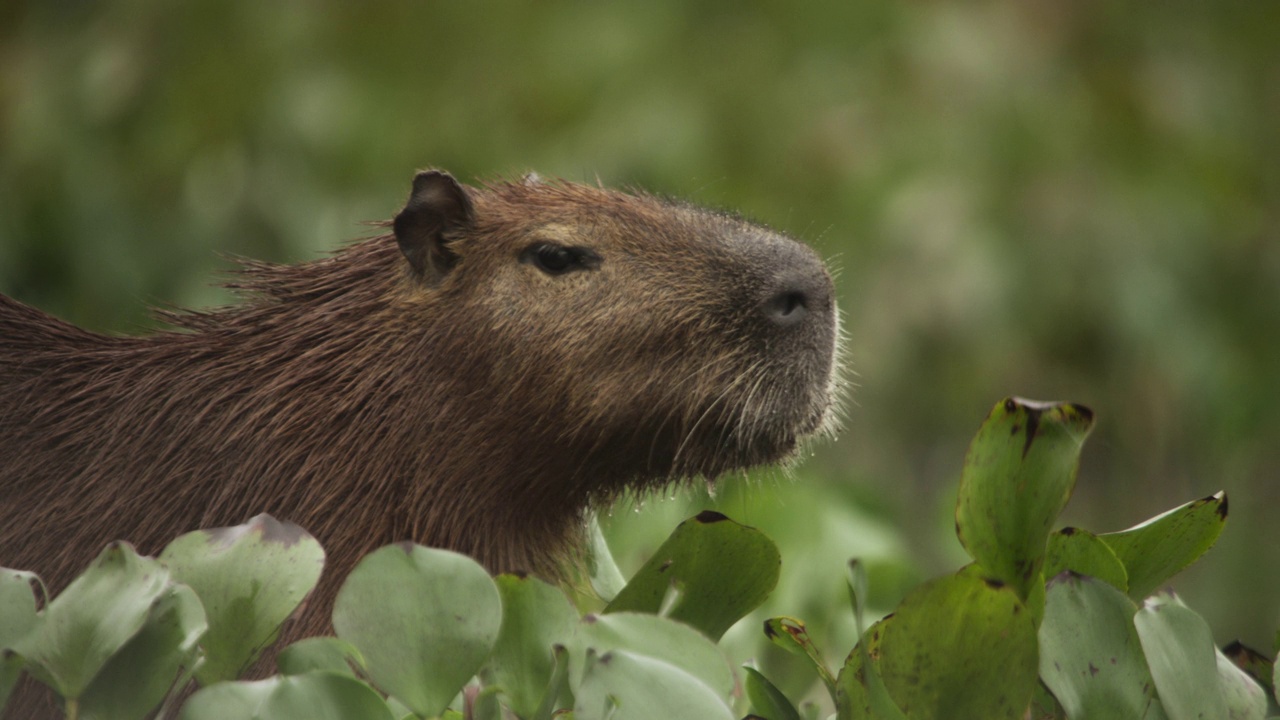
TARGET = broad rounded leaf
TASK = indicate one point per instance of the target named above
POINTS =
(311, 696)
(136, 678)
(1183, 661)
(535, 617)
(319, 653)
(1159, 548)
(723, 570)
(619, 685)
(1018, 475)
(424, 619)
(860, 690)
(250, 578)
(961, 646)
(1083, 553)
(17, 617)
(93, 618)
(767, 701)
(17, 604)
(656, 637)
(606, 578)
(1090, 655)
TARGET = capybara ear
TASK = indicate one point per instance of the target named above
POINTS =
(438, 209)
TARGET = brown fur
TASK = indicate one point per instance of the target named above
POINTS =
(443, 390)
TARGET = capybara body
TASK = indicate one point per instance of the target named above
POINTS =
(507, 356)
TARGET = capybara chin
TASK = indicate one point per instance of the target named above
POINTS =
(507, 356)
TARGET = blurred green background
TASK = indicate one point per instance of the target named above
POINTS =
(1076, 201)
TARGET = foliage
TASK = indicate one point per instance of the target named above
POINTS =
(1061, 199)
(1041, 624)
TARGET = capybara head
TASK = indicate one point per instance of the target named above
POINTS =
(663, 339)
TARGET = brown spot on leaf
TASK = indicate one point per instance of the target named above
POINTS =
(1093, 670)
(1222, 509)
(768, 630)
(1068, 531)
(706, 517)
(993, 583)
(1083, 411)
(665, 566)
(1249, 660)
(1033, 427)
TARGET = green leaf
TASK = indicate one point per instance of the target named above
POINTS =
(1018, 475)
(10, 670)
(137, 678)
(401, 711)
(860, 690)
(311, 696)
(791, 635)
(606, 579)
(424, 619)
(93, 619)
(1090, 655)
(724, 570)
(1035, 599)
(17, 617)
(1245, 698)
(17, 604)
(767, 701)
(619, 685)
(1182, 658)
(250, 579)
(1083, 553)
(535, 617)
(1156, 550)
(961, 646)
(1044, 706)
(557, 686)
(319, 653)
(656, 637)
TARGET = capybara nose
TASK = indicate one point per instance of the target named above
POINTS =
(796, 294)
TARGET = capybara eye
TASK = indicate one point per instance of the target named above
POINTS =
(555, 259)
